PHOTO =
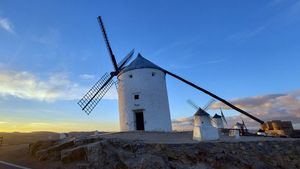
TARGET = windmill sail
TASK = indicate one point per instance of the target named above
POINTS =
(193, 104)
(244, 124)
(223, 117)
(208, 104)
(112, 56)
(96, 93)
(123, 62)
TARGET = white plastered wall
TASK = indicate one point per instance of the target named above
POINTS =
(150, 85)
(203, 129)
(217, 123)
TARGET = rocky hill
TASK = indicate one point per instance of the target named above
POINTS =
(99, 152)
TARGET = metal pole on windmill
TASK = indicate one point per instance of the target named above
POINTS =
(216, 97)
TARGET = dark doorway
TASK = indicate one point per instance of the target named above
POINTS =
(139, 119)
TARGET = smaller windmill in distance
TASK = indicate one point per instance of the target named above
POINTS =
(203, 128)
(218, 120)
(242, 127)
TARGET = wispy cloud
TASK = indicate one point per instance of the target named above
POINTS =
(56, 86)
(36, 124)
(186, 47)
(271, 106)
(289, 13)
(279, 106)
(51, 37)
(293, 13)
(209, 62)
(183, 124)
(276, 2)
(3, 122)
(185, 66)
(26, 85)
(6, 25)
(245, 35)
(86, 76)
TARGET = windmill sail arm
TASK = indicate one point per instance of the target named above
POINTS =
(208, 104)
(125, 60)
(107, 81)
(95, 94)
(215, 96)
(193, 104)
(112, 56)
(223, 117)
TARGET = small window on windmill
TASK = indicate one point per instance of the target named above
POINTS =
(153, 73)
(130, 76)
(136, 97)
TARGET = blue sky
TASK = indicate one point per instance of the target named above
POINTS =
(51, 52)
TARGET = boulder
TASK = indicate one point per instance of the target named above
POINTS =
(73, 155)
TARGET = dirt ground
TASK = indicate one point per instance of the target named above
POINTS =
(18, 154)
(15, 149)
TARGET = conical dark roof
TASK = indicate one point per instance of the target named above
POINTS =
(139, 63)
(217, 116)
(201, 112)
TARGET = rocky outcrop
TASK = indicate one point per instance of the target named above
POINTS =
(97, 152)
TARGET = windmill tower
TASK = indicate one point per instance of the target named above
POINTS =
(143, 99)
(203, 128)
(142, 92)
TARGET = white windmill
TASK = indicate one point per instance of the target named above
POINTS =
(203, 128)
(142, 93)
(217, 120)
